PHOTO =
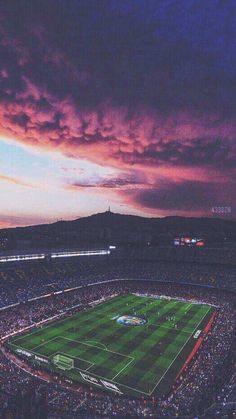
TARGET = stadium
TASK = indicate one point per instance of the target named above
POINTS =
(118, 331)
(117, 209)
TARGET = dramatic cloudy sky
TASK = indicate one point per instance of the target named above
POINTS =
(127, 103)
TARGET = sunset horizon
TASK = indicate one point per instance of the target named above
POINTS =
(122, 104)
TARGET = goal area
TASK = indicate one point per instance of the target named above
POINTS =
(63, 362)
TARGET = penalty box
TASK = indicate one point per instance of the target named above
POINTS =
(89, 356)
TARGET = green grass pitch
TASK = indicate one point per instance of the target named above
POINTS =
(141, 360)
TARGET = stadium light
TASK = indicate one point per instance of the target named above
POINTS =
(19, 258)
(80, 253)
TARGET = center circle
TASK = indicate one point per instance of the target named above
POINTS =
(129, 320)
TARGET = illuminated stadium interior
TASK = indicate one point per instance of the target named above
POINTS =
(120, 328)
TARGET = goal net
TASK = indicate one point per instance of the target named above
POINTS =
(63, 362)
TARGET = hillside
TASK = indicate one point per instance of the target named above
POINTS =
(107, 227)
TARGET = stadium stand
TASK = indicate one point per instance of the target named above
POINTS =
(206, 389)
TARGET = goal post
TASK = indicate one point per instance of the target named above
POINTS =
(64, 362)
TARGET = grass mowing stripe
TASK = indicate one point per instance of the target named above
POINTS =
(159, 339)
(135, 358)
(94, 346)
(126, 366)
(179, 351)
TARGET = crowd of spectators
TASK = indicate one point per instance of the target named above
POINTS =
(22, 282)
(192, 254)
(26, 314)
(206, 383)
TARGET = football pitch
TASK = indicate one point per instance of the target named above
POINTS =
(129, 344)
